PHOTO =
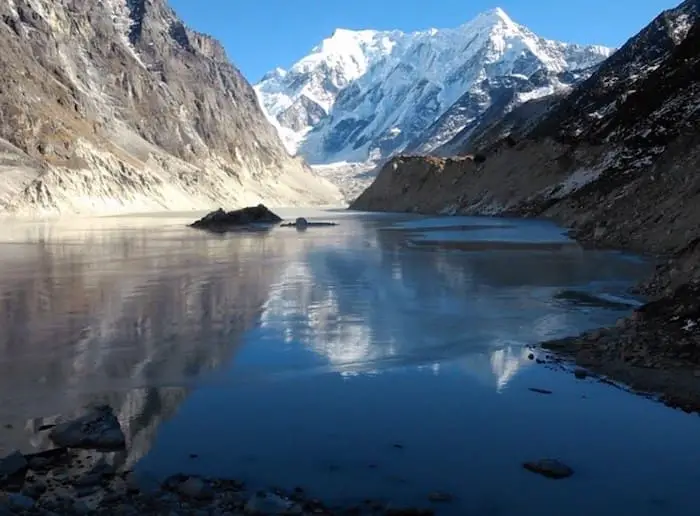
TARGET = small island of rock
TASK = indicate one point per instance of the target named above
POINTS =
(221, 221)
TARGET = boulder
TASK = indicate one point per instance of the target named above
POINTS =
(13, 464)
(550, 468)
(269, 503)
(98, 429)
(220, 221)
(195, 487)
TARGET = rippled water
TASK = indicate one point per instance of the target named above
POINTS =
(384, 357)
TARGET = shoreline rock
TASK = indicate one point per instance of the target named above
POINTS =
(654, 350)
(98, 429)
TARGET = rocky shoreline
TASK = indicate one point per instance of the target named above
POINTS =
(79, 476)
(655, 351)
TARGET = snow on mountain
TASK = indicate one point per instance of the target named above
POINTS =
(297, 100)
(361, 96)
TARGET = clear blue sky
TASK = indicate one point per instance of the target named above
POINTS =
(262, 34)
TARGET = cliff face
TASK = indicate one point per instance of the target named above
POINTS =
(616, 160)
(116, 105)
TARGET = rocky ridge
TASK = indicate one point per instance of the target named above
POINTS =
(615, 161)
(117, 105)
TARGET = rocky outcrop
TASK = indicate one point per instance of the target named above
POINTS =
(97, 429)
(460, 184)
(220, 221)
(117, 105)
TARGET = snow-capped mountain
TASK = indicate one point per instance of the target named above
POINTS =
(365, 95)
(616, 159)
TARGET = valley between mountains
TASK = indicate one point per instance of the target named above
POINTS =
(359, 356)
(118, 106)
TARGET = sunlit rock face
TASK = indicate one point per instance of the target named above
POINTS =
(116, 106)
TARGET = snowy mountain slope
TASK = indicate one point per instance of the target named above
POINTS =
(616, 159)
(382, 91)
(298, 99)
(618, 78)
(490, 101)
(117, 106)
(595, 108)
(503, 121)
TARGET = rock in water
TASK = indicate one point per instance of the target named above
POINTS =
(302, 224)
(221, 221)
(20, 502)
(98, 429)
(581, 374)
(550, 468)
(440, 497)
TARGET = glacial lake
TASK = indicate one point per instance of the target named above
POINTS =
(384, 358)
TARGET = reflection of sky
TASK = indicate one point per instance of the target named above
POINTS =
(446, 222)
(514, 235)
(365, 309)
(118, 308)
(479, 229)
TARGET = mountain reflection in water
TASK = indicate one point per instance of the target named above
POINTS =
(138, 312)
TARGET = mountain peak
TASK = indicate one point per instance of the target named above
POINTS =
(490, 18)
(380, 90)
(497, 14)
(276, 73)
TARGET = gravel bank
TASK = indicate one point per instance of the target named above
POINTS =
(656, 350)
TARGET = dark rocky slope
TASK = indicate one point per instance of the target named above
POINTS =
(621, 172)
(118, 105)
(617, 160)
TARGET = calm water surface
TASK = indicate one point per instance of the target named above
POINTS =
(304, 359)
